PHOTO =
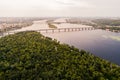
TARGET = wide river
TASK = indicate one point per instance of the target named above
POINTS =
(101, 43)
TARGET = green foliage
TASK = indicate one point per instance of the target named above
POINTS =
(51, 25)
(31, 56)
(15, 27)
(111, 28)
(110, 24)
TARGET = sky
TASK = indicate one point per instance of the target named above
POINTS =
(58, 8)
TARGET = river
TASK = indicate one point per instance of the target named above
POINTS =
(101, 43)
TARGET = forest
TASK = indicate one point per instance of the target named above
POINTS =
(32, 56)
(51, 25)
(100, 23)
(110, 24)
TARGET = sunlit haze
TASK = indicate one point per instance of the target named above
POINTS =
(53, 8)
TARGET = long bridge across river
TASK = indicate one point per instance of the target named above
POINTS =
(54, 30)
(64, 29)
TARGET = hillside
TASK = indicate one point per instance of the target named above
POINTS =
(32, 56)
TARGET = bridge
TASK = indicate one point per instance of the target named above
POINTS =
(52, 30)
(64, 29)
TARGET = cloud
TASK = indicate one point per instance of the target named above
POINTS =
(65, 2)
(74, 3)
(60, 7)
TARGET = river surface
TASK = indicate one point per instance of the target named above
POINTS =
(101, 43)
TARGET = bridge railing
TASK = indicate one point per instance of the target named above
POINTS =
(51, 30)
(65, 29)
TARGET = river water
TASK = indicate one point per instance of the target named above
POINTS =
(101, 43)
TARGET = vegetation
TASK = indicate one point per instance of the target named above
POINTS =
(16, 26)
(110, 24)
(31, 56)
(51, 25)
(13, 23)
(117, 29)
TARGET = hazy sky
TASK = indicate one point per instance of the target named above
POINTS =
(43, 8)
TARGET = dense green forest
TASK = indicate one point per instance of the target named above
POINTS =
(110, 24)
(32, 56)
(51, 25)
(104, 23)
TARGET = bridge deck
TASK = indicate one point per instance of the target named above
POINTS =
(54, 30)
(65, 29)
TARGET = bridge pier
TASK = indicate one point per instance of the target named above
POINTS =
(46, 30)
(82, 29)
(53, 31)
(58, 30)
(72, 29)
(75, 29)
(66, 29)
(88, 28)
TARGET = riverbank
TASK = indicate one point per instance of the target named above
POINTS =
(15, 27)
(30, 55)
(92, 41)
(41, 24)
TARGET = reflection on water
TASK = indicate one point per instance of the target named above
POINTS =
(101, 43)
